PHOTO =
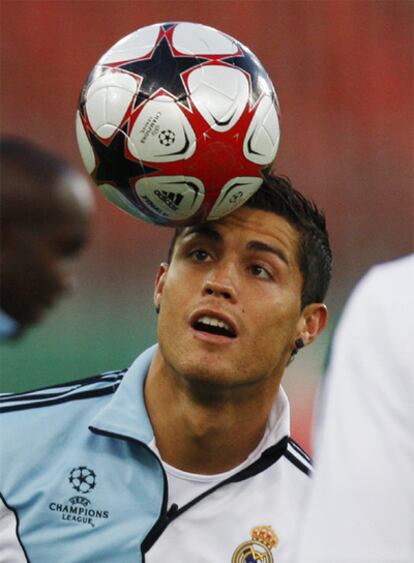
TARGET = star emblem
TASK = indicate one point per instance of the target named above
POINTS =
(113, 166)
(248, 63)
(162, 66)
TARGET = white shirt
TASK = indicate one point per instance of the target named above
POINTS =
(184, 486)
(220, 525)
(361, 505)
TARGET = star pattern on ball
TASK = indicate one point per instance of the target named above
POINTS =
(250, 65)
(162, 67)
(113, 167)
(204, 106)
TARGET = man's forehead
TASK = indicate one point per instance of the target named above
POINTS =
(248, 225)
(245, 220)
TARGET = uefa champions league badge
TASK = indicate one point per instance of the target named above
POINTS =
(78, 508)
(259, 548)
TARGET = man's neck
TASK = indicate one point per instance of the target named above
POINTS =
(205, 435)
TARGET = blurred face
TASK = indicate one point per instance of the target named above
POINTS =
(36, 259)
(230, 300)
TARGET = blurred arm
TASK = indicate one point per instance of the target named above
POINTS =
(361, 505)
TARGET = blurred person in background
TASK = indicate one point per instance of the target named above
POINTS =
(46, 208)
(187, 455)
(361, 505)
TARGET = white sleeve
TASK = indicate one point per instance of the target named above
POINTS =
(361, 504)
(11, 550)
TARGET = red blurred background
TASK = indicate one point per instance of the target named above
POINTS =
(343, 71)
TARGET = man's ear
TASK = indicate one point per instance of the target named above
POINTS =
(159, 283)
(313, 320)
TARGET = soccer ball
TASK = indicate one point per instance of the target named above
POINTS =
(176, 123)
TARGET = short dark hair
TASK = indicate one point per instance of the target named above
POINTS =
(277, 195)
(28, 173)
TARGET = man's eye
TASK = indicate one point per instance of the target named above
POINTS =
(260, 272)
(199, 255)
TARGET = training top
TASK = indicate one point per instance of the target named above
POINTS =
(81, 482)
(361, 507)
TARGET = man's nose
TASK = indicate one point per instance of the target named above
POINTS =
(221, 283)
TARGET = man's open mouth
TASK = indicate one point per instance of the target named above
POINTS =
(213, 325)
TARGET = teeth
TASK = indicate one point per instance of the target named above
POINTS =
(214, 322)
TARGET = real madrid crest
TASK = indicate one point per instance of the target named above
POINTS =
(259, 548)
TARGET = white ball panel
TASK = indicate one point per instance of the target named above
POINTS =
(95, 107)
(121, 80)
(197, 39)
(171, 197)
(85, 148)
(162, 133)
(116, 197)
(106, 131)
(108, 98)
(220, 94)
(262, 138)
(133, 46)
(233, 194)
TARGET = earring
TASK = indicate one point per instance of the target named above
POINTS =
(157, 309)
(299, 344)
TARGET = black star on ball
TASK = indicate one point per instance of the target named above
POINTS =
(162, 68)
(113, 167)
(247, 61)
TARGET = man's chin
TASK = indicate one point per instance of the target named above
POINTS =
(207, 365)
(203, 367)
(209, 373)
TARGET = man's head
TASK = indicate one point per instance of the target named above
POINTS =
(240, 294)
(277, 195)
(46, 209)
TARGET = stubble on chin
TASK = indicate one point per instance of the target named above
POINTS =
(210, 383)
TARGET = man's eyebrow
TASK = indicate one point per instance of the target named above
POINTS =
(213, 234)
(264, 247)
(202, 230)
